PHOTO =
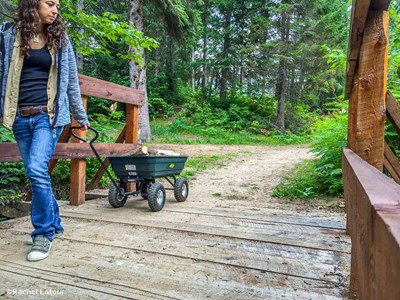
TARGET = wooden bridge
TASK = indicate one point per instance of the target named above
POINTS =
(206, 252)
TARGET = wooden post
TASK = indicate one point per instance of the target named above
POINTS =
(78, 168)
(132, 127)
(132, 124)
(367, 100)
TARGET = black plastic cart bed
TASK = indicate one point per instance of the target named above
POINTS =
(143, 171)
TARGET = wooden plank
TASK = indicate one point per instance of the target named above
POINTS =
(353, 115)
(264, 215)
(374, 193)
(392, 164)
(359, 14)
(386, 251)
(103, 89)
(131, 134)
(32, 283)
(266, 257)
(100, 172)
(138, 275)
(360, 9)
(132, 124)
(278, 233)
(9, 151)
(78, 167)
(371, 95)
(161, 274)
(393, 111)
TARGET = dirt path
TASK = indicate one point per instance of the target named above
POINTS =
(248, 179)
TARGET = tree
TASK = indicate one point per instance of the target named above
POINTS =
(137, 71)
(174, 16)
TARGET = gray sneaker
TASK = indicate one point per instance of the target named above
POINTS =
(56, 235)
(40, 249)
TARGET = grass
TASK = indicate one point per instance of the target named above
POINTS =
(198, 163)
(165, 131)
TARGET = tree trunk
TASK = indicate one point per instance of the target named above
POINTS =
(205, 41)
(79, 56)
(193, 72)
(171, 67)
(137, 72)
(225, 54)
(281, 82)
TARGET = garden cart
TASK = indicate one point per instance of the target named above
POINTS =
(142, 171)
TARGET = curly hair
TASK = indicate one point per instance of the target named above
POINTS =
(27, 20)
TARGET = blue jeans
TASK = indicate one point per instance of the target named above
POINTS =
(36, 142)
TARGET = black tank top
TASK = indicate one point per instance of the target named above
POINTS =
(34, 77)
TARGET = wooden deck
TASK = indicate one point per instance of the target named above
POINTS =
(186, 251)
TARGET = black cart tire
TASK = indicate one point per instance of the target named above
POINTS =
(181, 190)
(156, 196)
(116, 196)
(144, 190)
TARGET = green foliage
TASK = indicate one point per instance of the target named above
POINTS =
(323, 174)
(12, 174)
(98, 32)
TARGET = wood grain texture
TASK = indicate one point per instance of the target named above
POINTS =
(9, 151)
(368, 113)
(78, 167)
(359, 14)
(106, 90)
(392, 163)
(372, 208)
(393, 111)
(131, 253)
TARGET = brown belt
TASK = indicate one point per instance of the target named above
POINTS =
(26, 111)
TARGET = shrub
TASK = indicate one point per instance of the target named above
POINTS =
(323, 174)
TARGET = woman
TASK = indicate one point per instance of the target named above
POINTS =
(39, 86)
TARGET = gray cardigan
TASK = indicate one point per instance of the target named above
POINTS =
(68, 95)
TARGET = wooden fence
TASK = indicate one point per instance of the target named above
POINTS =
(372, 198)
(70, 148)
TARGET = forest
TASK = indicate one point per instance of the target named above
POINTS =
(221, 72)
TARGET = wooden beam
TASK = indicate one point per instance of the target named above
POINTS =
(359, 14)
(106, 90)
(391, 163)
(366, 132)
(393, 111)
(132, 117)
(78, 168)
(373, 209)
(9, 151)
(100, 172)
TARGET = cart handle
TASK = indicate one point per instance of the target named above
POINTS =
(95, 152)
(82, 139)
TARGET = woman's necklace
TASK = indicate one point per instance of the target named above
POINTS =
(36, 38)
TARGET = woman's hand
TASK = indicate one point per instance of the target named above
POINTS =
(85, 127)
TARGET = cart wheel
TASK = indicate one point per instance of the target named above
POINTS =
(144, 190)
(116, 196)
(181, 189)
(156, 196)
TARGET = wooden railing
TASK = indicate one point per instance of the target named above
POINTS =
(391, 163)
(68, 148)
(372, 198)
(373, 222)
